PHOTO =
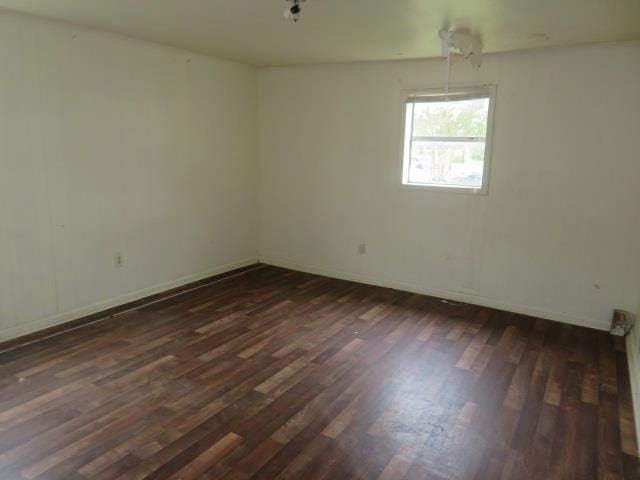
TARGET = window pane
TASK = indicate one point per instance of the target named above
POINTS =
(460, 118)
(447, 163)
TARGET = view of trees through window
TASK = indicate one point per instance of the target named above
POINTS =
(446, 142)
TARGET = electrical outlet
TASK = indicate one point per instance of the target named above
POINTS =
(362, 248)
(119, 262)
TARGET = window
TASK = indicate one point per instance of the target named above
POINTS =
(447, 139)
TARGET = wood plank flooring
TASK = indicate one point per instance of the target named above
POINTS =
(276, 374)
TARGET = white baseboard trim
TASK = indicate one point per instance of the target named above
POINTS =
(40, 324)
(446, 294)
(633, 359)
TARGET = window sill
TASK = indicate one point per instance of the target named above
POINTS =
(445, 189)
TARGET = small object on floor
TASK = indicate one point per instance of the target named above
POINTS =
(450, 302)
(621, 323)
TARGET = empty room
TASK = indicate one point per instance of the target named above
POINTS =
(319, 239)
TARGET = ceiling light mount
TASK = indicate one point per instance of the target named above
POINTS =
(293, 12)
(467, 44)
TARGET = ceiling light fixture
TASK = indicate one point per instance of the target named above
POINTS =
(293, 12)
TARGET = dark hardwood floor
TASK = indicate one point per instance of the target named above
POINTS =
(277, 374)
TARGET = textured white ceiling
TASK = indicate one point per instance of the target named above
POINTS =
(254, 31)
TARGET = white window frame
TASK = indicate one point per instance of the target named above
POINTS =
(438, 95)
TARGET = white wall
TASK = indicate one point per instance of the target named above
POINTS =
(555, 236)
(110, 145)
(633, 360)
